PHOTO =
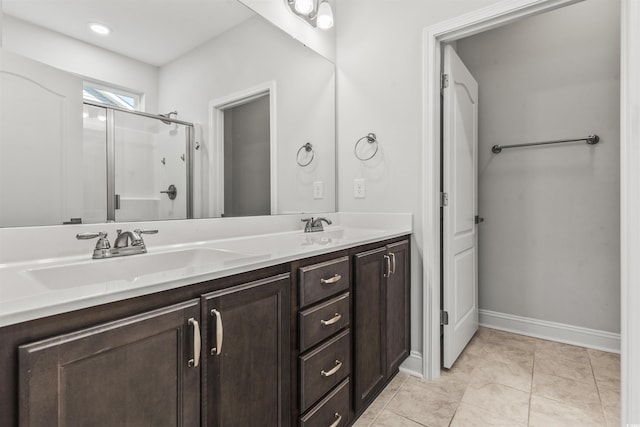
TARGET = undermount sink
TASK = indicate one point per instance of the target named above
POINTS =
(335, 236)
(348, 233)
(130, 268)
(328, 237)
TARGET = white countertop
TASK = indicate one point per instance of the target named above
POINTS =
(35, 288)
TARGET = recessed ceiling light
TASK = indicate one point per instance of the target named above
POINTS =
(101, 29)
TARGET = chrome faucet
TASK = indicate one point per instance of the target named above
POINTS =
(126, 243)
(314, 224)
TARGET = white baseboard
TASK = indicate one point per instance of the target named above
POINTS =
(413, 365)
(584, 337)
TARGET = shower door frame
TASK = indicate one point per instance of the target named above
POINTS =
(111, 152)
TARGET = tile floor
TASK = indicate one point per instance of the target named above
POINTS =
(504, 379)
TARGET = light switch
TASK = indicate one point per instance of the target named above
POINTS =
(358, 188)
(318, 190)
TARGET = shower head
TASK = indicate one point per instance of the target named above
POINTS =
(168, 115)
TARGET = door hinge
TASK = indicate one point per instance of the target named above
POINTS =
(444, 81)
(444, 317)
(478, 219)
(444, 200)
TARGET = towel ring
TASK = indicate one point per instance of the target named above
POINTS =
(306, 147)
(371, 139)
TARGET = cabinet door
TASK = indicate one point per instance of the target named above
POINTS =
(248, 355)
(397, 311)
(131, 372)
(369, 325)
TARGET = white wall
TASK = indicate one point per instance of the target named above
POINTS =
(549, 246)
(254, 53)
(379, 58)
(68, 54)
(276, 12)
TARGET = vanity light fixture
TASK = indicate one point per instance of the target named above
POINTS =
(304, 7)
(317, 13)
(101, 29)
(325, 16)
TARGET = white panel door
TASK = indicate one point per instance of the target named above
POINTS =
(460, 237)
(40, 143)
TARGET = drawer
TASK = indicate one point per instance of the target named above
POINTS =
(332, 411)
(320, 281)
(324, 367)
(323, 320)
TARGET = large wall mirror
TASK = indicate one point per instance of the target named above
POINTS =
(192, 109)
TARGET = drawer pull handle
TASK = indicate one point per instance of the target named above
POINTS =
(332, 371)
(215, 351)
(333, 320)
(336, 423)
(193, 363)
(332, 280)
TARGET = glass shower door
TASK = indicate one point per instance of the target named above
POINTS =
(151, 161)
(94, 164)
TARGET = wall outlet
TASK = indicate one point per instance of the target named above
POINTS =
(318, 190)
(358, 188)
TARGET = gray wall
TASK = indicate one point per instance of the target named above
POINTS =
(247, 179)
(549, 248)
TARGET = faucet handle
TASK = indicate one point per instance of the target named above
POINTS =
(137, 236)
(138, 231)
(103, 242)
(87, 236)
(308, 224)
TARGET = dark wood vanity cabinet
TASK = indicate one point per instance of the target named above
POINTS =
(139, 370)
(397, 313)
(381, 320)
(306, 343)
(173, 366)
(324, 342)
(247, 358)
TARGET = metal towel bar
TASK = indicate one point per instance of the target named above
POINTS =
(591, 140)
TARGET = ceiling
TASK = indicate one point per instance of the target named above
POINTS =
(152, 31)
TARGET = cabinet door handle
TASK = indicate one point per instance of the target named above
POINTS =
(334, 279)
(388, 259)
(332, 371)
(336, 423)
(393, 262)
(215, 351)
(193, 363)
(333, 320)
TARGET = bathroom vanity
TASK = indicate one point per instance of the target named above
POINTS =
(305, 340)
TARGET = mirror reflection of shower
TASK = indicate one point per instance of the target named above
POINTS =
(146, 155)
(167, 122)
